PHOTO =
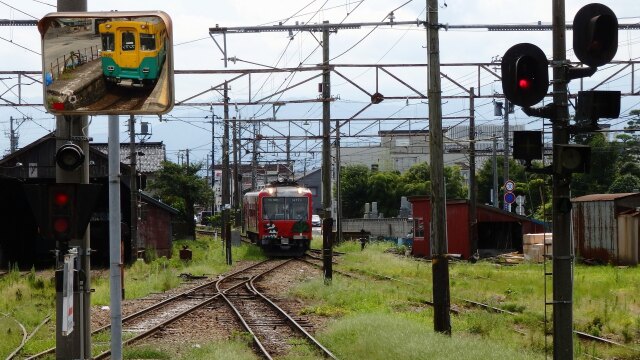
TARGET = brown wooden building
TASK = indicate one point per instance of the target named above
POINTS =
(20, 241)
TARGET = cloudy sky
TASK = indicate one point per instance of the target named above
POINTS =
(187, 127)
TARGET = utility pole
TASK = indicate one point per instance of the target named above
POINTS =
(254, 158)
(327, 236)
(562, 252)
(494, 197)
(134, 191)
(505, 162)
(226, 198)
(439, 247)
(473, 198)
(13, 136)
(213, 161)
(237, 192)
(338, 196)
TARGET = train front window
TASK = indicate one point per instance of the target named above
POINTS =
(128, 41)
(108, 42)
(147, 42)
(285, 208)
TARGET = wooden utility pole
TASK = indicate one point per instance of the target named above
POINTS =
(562, 252)
(440, 263)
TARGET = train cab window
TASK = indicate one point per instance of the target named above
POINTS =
(147, 42)
(128, 41)
(108, 42)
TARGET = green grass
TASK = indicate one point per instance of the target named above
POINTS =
(372, 319)
(607, 299)
(383, 336)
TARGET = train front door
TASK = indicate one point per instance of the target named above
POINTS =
(127, 51)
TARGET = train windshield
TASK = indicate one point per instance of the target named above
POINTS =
(128, 41)
(147, 42)
(108, 42)
(285, 208)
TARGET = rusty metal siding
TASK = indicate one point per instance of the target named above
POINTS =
(595, 229)
(628, 239)
(154, 230)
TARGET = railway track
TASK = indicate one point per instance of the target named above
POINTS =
(271, 328)
(230, 288)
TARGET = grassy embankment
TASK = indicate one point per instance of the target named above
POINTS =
(378, 319)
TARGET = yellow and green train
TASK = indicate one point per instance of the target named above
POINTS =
(133, 50)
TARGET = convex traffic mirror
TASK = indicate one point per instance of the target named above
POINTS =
(107, 63)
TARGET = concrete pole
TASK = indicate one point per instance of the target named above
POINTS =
(439, 247)
(562, 250)
(115, 218)
(226, 198)
(327, 241)
(133, 186)
(473, 196)
(213, 161)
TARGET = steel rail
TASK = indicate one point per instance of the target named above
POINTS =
(151, 308)
(184, 313)
(237, 312)
(291, 320)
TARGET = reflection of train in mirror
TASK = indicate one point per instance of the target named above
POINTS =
(278, 218)
(134, 50)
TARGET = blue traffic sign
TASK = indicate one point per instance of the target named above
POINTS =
(509, 198)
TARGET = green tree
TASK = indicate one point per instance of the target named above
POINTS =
(353, 190)
(604, 162)
(182, 188)
(625, 184)
(382, 188)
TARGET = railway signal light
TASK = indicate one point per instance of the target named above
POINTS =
(525, 74)
(62, 208)
(571, 158)
(595, 34)
(593, 105)
(69, 156)
(527, 146)
(63, 211)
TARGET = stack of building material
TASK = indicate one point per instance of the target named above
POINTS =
(536, 246)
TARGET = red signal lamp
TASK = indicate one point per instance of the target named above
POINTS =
(524, 84)
(61, 199)
(61, 225)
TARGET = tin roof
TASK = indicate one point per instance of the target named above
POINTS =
(602, 197)
(150, 162)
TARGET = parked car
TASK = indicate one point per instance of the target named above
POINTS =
(315, 220)
(204, 218)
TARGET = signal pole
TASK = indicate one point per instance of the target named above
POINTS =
(76, 345)
(327, 239)
(562, 253)
(439, 247)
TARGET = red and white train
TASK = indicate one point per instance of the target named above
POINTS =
(278, 218)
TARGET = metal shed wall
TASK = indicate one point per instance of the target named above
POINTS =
(628, 238)
(595, 229)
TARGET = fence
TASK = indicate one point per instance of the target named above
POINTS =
(72, 60)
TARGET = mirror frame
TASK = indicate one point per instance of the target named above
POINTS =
(45, 24)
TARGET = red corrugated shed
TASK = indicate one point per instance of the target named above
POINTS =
(497, 230)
